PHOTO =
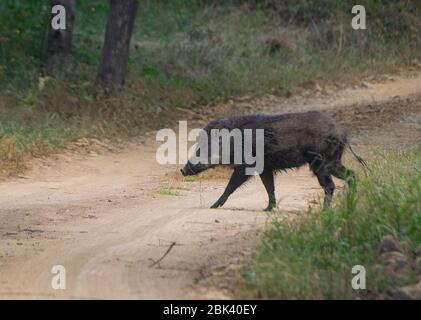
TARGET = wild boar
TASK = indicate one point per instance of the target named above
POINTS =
(290, 141)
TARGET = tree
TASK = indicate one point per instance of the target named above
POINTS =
(60, 34)
(115, 51)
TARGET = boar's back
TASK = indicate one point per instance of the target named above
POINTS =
(301, 131)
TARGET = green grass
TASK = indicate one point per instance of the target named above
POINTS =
(168, 190)
(313, 258)
(20, 142)
(191, 178)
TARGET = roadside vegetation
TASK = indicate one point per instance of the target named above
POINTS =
(313, 259)
(184, 54)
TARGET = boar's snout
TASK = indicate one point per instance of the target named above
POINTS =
(193, 169)
(187, 170)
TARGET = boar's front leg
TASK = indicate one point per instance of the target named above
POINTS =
(238, 177)
(267, 178)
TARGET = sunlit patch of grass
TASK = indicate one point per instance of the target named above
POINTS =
(191, 178)
(168, 190)
(217, 173)
(19, 141)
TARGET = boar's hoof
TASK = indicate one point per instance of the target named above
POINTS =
(270, 207)
(217, 204)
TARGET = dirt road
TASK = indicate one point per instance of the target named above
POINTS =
(108, 216)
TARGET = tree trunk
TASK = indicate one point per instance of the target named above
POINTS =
(115, 51)
(59, 42)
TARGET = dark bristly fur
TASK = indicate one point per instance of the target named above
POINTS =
(291, 141)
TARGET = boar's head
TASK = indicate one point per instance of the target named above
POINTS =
(208, 151)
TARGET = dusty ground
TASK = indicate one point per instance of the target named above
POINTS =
(106, 218)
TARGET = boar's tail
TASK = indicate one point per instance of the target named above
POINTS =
(359, 159)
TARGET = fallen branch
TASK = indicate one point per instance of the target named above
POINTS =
(165, 254)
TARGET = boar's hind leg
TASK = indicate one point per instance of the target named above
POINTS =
(237, 179)
(341, 172)
(267, 179)
(325, 180)
(328, 186)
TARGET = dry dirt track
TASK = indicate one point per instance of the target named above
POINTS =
(103, 218)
